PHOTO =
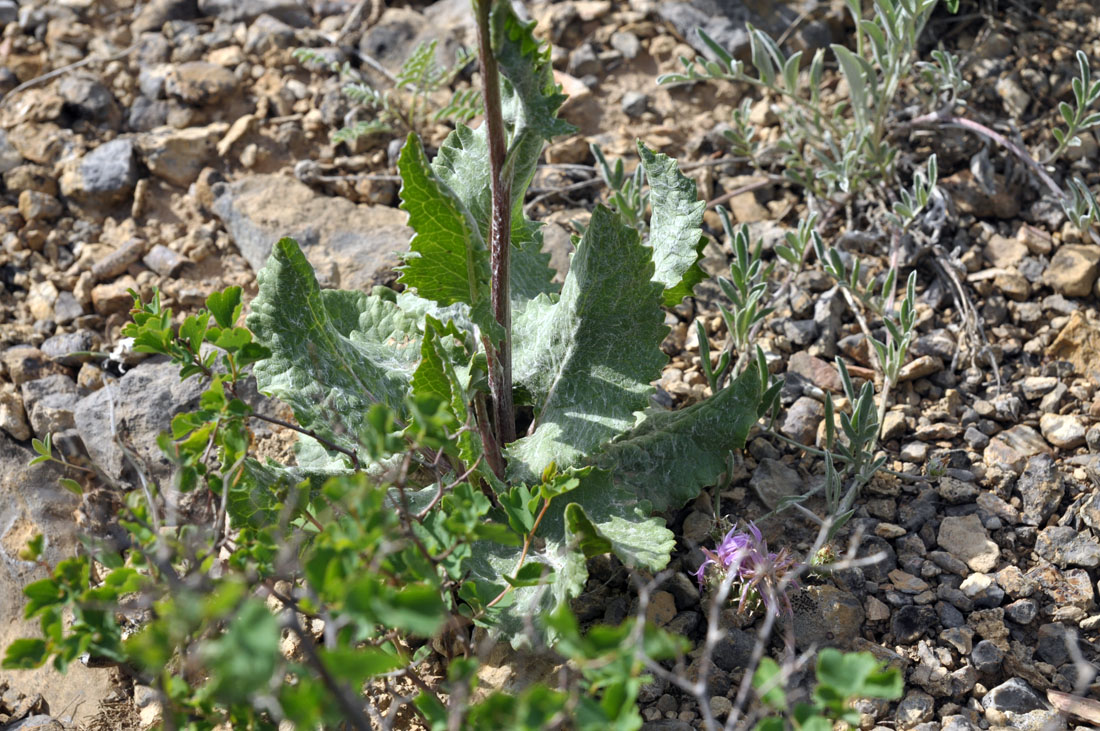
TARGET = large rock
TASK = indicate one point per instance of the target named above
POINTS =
(346, 243)
(290, 12)
(32, 502)
(141, 405)
(103, 178)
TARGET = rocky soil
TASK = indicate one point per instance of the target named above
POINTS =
(168, 144)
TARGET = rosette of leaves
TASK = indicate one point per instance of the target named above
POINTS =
(595, 464)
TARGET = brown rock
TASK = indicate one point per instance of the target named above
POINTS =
(35, 206)
(819, 372)
(971, 198)
(25, 363)
(1079, 343)
(965, 538)
(1002, 251)
(30, 177)
(13, 419)
(179, 155)
(199, 83)
(113, 297)
(920, 367)
(1073, 270)
(118, 260)
(661, 609)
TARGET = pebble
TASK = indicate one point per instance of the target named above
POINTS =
(1063, 546)
(802, 420)
(1041, 487)
(1065, 431)
(987, 657)
(965, 538)
(36, 206)
(773, 481)
(13, 417)
(1073, 270)
(1011, 449)
(163, 261)
(635, 103)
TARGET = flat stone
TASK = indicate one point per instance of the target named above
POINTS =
(144, 401)
(35, 206)
(1035, 387)
(164, 261)
(25, 363)
(1065, 431)
(347, 244)
(825, 615)
(50, 402)
(179, 155)
(68, 348)
(1002, 251)
(957, 492)
(114, 297)
(116, 262)
(200, 83)
(1013, 695)
(907, 583)
(965, 538)
(1010, 449)
(245, 11)
(922, 367)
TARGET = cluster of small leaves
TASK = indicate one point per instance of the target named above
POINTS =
(1078, 117)
(841, 679)
(746, 286)
(909, 207)
(828, 150)
(1081, 206)
(628, 194)
(410, 103)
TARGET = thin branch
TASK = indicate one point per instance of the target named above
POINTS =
(310, 433)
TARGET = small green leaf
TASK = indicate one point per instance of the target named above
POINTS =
(768, 676)
(71, 485)
(530, 574)
(225, 306)
(25, 654)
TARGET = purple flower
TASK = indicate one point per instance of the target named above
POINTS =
(758, 571)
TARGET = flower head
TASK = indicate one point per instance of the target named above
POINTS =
(758, 572)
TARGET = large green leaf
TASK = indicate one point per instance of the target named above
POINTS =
(333, 353)
(588, 357)
(596, 517)
(530, 100)
(675, 227)
(671, 455)
(447, 260)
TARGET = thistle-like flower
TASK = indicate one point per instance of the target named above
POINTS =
(758, 572)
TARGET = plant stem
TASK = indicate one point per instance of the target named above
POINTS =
(500, 230)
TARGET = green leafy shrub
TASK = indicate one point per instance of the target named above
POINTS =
(413, 513)
(841, 679)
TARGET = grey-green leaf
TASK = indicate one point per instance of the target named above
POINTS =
(447, 260)
(333, 353)
(588, 358)
(671, 455)
(675, 228)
